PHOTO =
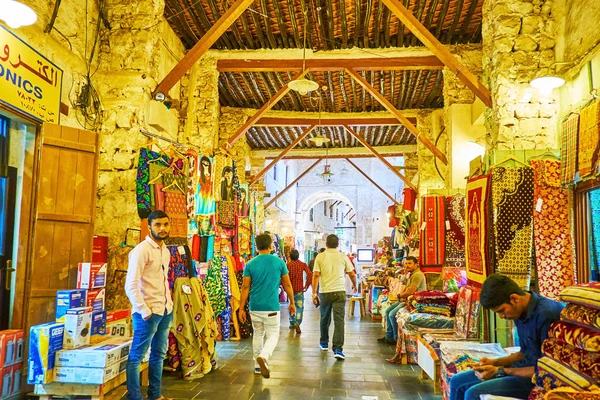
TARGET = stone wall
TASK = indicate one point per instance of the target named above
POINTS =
(578, 29)
(230, 120)
(430, 124)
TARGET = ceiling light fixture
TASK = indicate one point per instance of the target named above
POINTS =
(326, 174)
(546, 84)
(16, 14)
(302, 85)
(319, 139)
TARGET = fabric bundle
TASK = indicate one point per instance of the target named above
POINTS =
(468, 313)
(585, 294)
(581, 315)
(455, 232)
(476, 240)
(566, 374)
(589, 137)
(585, 362)
(512, 222)
(433, 212)
(552, 230)
(568, 149)
(454, 278)
(570, 394)
(431, 302)
(576, 335)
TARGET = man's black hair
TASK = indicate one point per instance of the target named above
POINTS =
(156, 214)
(294, 254)
(497, 289)
(263, 241)
(413, 259)
(322, 249)
(332, 241)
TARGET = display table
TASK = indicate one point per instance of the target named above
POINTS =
(429, 362)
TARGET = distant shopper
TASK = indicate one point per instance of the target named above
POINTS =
(311, 263)
(262, 277)
(147, 288)
(329, 272)
(297, 269)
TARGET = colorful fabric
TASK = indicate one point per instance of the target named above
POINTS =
(245, 329)
(179, 226)
(468, 313)
(567, 375)
(435, 309)
(568, 149)
(512, 216)
(242, 203)
(178, 267)
(455, 234)
(431, 295)
(571, 394)
(234, 299)
(581, 315)
(433, 216)
(191, 186)
(552, 230)
(244, 236)
(204, 196)
(585, 294)
(546, 380)
(205, 225)
(589, 138)
(226, 213)
(454, 278)
(476, 229)
(176, 183)
(584, 362)
(223, 182)
(142, 187)
(214, 286)
(594, 201)
(159, 196)
(175, 204)
(430, 321)
(576, 335)
(173, 358)
(226, 315)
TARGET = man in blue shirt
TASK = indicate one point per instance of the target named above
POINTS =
(262, 277)
(509, 376)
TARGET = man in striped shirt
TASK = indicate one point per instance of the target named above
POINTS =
(296, 270)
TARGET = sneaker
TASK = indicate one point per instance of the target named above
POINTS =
(382, 339)
(339, 355)
(323, 347)
(297, 328)
(257, 370)
(264, 367)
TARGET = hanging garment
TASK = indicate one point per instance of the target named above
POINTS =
(175, 207)
(235, 298)
(177, 269)
(393, 221)
(589, 138)
(223, 182)
(194, 328)
(191, 187)
(226, 314)
(455, 234)
(242, 203)
(476, 229)
(226, 213)
(159, 196)
(143, 177)
(196, 248)
(245, 329)
(410, 198)
(205, 225)
(432, 237)
(512, 222)
(244, 229)
(568, 148)
(214, 286)
(552, 230)
(205, 199)
(180, 186)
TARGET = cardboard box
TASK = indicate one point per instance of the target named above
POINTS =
(118, 323)
(95, 376)
(100, 249)
(91, 275)
(78, 327)
(44, 341)
(67, 299)
(11, 347)
(98, 322)
(96, 299)
(10, 380)
(100, 356)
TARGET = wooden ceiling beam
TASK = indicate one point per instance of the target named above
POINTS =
(442, 52)
(293, 183)
(336, 152)
(390, 107)
(381, 158)
(296, 121)
(283, 153)
(372, 181)
(202, 46)
(340, 64)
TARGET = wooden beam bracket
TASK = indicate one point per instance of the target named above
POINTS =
(288, 187)
(372, 181)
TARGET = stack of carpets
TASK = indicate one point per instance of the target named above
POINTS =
(571, 354)
(432, 302)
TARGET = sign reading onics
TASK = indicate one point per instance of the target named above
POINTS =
(29, 82)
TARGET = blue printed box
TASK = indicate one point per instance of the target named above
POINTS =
(44, 341)
(67, 299)
(99, 323)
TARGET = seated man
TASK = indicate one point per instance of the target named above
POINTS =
(509, 376)
(416, 283)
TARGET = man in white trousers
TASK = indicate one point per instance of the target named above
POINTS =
(262, 277)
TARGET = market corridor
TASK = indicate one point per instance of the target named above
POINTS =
(299, 370)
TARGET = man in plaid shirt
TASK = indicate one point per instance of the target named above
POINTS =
(296, 270)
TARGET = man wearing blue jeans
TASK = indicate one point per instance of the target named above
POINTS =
(509, 376)
(147, 288)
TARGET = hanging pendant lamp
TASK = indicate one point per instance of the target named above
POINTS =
(303, 85)
(16, 14)
(319, 140)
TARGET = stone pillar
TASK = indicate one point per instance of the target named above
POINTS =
(430, 124)
(230, 120)
(518, 45)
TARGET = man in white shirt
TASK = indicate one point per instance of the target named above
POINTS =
(330, 268)
(147, 288)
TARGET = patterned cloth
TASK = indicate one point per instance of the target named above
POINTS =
(571, 394)
(176, 183)
(467, 313)
(226, 315)
(584, 362)
(245, 329)
(226, 213)
(454, 278)
(512, 216)
(567, 375)
(552, 230)
(595, 240)
(191, 187)
(576, 335)
(585, 294)
(546, 380)
(410, 198)
(143, 177)
(455, 234)
(244, 236)
(476, 229)
(581, 315)
(204, 196)
(296, 271)
(433, 215)
(214, 286)
(589, 137)
(177, 269)
(176, 208)
(568, 149)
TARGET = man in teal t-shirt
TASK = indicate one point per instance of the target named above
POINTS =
(262, 277)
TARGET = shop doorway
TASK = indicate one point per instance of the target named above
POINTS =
(8, 191)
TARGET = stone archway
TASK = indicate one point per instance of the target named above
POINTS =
(314, 198)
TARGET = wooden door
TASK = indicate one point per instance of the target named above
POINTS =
(63, 217)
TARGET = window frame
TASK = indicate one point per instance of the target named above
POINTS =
(582, 228)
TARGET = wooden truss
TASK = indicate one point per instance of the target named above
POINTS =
(372, 181)
(288, 187)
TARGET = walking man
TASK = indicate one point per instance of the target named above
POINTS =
(147, 288)
(329, 271)
(262, 277)
(297, 269)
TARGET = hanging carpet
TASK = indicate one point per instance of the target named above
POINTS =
(568, 148)
(455, 234)
(589, 137)
(433, 210)
(476, 243)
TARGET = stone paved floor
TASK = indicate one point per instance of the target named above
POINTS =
(300, 370)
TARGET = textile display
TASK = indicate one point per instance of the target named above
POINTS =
(576, 335)
(245, 329)
(567, 375)
(430, 308)
(223, 182)
(594, 199)
(585, 294)
(177, 269)
(410, 197)
(404, 344)
(468, 313)
(584, 362)
(226, 315)
(214, 286)
(476, 243)
(455, 234)
(431, 295)
(226, 213)
(571, 394)
(176, 182)
(244, 232)
(454, 278)
(243, 209)
(433, 217)
(176, 208)
(159, 196)
(194, 328)
(512, 226)
(552, 230)
(581, 315)
(191, 186)
(589, 137)
(235, 297)
(546, 380)
(204, 197)
(568, 148)
(142, 186)
(430, 321)
(206, 225)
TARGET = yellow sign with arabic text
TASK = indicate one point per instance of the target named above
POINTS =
(29, 82)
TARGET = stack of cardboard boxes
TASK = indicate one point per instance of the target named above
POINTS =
(11, 360)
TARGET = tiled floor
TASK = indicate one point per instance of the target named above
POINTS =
(300, 370)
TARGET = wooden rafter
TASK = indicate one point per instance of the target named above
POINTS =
(336, 152)
(295, 121)
(381, 158)
(213, 34)
(442, 52)
(349, 211)
(390, 107)
(372, 181)
(288, 187)
(283, 153)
